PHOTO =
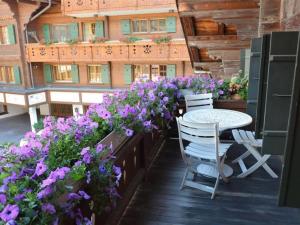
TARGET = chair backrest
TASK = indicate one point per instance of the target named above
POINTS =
(200, 101)
(199, 133)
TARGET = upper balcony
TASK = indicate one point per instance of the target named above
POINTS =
(90, 8)
(175, 50)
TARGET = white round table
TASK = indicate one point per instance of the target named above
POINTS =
(227, 119)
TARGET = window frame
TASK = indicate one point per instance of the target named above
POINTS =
(54, 73)
(52, 32)
(4, 75)
(155, 32)
(10, 73)
(140, 32)
(150, 70)
(89, 77)
(83, 30)
(1, 35)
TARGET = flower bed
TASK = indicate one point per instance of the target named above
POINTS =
(76, 169)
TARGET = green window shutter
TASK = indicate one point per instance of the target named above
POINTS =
(99, 29)
(46, 32)
(48, 73)
(105, 73)
(11, 34)
(127, 74)
(75, 73)
(125, 26)
(73, 29)
(171, 71)
(171, 24)
(17, 75)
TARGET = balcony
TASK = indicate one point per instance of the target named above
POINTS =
(139, 51)
(88, 8)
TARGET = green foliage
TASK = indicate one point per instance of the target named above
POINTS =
(39, 125)
(132, 39)
(160, 40)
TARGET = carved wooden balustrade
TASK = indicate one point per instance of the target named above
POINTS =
(139, 51)
(113, 6)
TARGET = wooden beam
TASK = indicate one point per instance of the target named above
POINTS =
(188, 25)
(219, 5)
(222, 14)
(212, 37)
(195, 41)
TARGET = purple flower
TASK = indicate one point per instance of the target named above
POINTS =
(117, 171)
(165, 99)
(129, 132)
(74, 196)
(10, 212)
(86, 155)
(48, 208)
(99, 148)
(84, 195)
(102, 169)
(19, 197)
(44, 193)
(2, 199)
(88, 177)
(41, 168)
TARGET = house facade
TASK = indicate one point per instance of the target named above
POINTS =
(57, 57)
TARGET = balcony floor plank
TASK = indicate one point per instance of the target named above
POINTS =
(241, 202)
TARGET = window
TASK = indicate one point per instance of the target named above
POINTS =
(60, 33)
(94, 73)
(2, 74)
(4, 35)
(10, 74)
(158, 71)
(141, 72)
(140, 26)
(62, 73)
(158, 25)
(89, 31)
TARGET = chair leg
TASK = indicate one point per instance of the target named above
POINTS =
(184, 178)
(215, 187)
(241, 157)
(254, 167)
(268, 169)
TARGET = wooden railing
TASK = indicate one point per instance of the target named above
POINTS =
(145, 51)
(113, 6)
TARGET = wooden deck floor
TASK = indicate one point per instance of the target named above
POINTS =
(241, 202)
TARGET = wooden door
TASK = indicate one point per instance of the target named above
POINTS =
(61, 110)
(255, 59)
(283, 48)
(290, 183)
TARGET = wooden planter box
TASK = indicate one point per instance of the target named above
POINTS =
(134, 155)
(237, 105)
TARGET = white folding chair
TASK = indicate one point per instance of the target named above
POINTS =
(203, 155)
(247, 139)
(200, 101)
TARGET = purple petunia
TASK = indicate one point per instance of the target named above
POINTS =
(73, 196)
(129, 132)
(2, 199)
(10, 212)
(44, 193)
(41, 168)
(84, 195)
(48, 208)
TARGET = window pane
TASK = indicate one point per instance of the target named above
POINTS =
(94, 73)
(135, 26)
(162, 25)
(89, 31)
(154, 25)
(158, 72)
(62, 73)
(10, 74)
(144, 26)
(2, 74)
(141, 72)
(3, 35)
(60, 33)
